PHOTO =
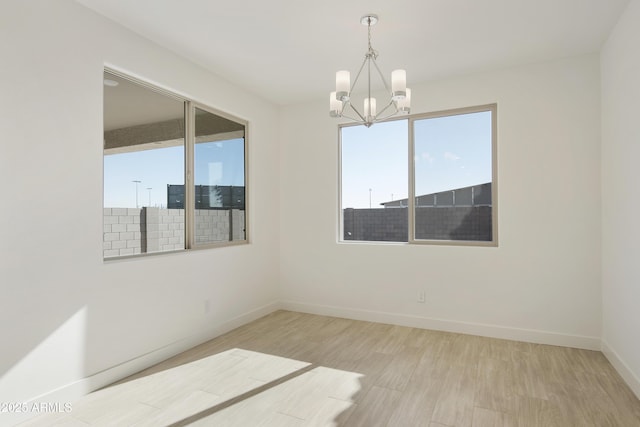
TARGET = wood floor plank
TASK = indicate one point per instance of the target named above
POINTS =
(487, 418)
(528, 375)
(435, 361)
(465, 349)
(331, 329)
(493, 348)
(54, 420)
(371, 367)
(417, 402)
(334, 412)
(533, 412)
(181, 408)
(495, 386)
(316, 391)
(557, 366)
(625, 402)
(374, 409)
(456, 400)
(391, 340)
(400, 369)
(347, 350)
(419, 338)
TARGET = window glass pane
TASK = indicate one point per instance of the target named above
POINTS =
(219, 179)
(453, 177)
(374, 182)
(143, 157)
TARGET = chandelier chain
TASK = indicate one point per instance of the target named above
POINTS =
(370, 52)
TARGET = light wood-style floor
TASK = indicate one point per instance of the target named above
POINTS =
(294, 369)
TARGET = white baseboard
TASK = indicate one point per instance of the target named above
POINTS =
(623, 369)
(494, 331)
(77, 389)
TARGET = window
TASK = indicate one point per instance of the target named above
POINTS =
(374, 173)
(155, 145)
(219, 179)
(425, 179)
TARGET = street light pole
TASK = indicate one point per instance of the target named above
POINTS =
(149, 188)
(137, 182)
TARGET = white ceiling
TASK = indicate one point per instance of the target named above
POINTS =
(289, 50)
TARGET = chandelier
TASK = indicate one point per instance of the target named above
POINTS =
(400, 96)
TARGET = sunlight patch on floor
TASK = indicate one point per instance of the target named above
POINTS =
(235, 387)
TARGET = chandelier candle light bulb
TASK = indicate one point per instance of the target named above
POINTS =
(336, 105)
(343, 82)
(404, 105)
(369, 108)
(398, 84)
(399, 95)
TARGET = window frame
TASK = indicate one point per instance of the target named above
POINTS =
(190, 106)
(411, 119)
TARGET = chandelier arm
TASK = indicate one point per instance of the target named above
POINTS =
(369, 79)
(384, 81)
(353, 119)
(394, 112)
(379, 115)
(357, 112)
(353, 85)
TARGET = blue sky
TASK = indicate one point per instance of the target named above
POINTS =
(216, 163)
(450, 152)
(374, 158)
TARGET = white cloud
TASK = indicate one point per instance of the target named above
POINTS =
(426, 156)
(451, 156)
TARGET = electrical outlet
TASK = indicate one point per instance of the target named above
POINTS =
(422, 296)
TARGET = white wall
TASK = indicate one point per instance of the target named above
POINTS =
(65, 314)
(543, 281)
(620, 201)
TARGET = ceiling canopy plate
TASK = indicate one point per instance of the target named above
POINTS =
(369, 19)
